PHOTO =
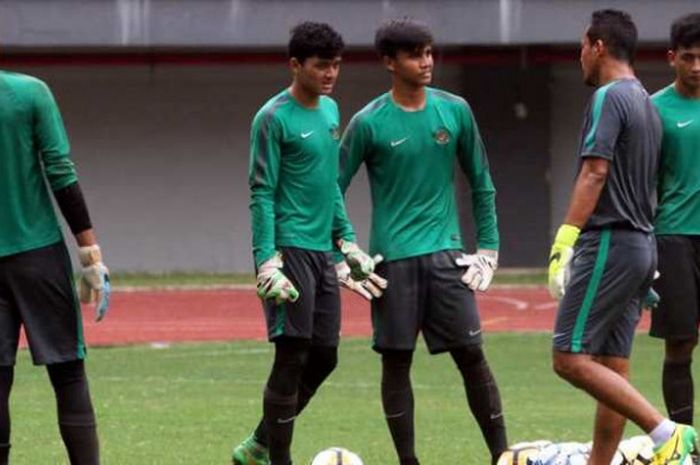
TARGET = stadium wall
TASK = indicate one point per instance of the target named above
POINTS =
(163, 150)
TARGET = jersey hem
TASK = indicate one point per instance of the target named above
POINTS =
(32, 246)
(388, 257)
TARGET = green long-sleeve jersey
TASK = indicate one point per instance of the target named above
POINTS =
(34, 149)
(293, 172)
(410, 158)
(678, 187)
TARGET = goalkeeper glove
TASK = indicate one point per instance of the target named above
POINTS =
(94, 285)
(652, 299)
(370, 288)
(560, 258)
(273, 284)
(480, 268)
(361, 265)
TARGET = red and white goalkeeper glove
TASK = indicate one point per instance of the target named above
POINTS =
(370, 288)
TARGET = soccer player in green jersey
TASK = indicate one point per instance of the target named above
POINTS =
(603, 258)
(677, 222)
(410, 140)
(298, 217)
(36, 280)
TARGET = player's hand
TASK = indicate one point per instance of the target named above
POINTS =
(370, 288)
(273, 284)
(560, 259)
(361, 265)
(480, 268)
(94, 285)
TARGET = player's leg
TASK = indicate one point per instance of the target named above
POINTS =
(76, 417)
(483, 397)
(610, 269)
(6, 379)
(609, 425)
(676, 320)
(452, 324)
(397, 402)
(43, 279)
(396, 320)
(614, 354)
(290, 328)
(323, 352)
(280, 396)
(9, 339)
(323, 355)
(677, 380)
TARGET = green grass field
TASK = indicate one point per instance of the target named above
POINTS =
(187, 404)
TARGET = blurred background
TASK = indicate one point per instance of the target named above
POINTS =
(158, 95)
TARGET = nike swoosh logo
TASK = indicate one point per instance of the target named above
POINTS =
(474, 333)
(493, 416)
(394, 143)
(556, 256)
(682, 409)
(282, 421)
(683, 124)
(304, 135)
(556, 335)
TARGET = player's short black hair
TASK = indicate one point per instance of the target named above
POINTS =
(401, 34)
(685, 31)
(309, 39)
(617, 31)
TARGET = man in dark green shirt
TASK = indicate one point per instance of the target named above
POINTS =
(677, 221)
(410, 139)
(298, 217)
(36, 280)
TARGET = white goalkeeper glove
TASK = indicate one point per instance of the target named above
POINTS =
(480, 267)
(273, 284)
(361, 265)
(370, 288)
(94, 285)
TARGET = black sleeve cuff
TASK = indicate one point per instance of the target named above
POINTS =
(72, 204)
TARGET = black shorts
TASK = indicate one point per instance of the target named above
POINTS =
(425, 294)
(316, 314)
(37, 291)
(678, 313)
(611, 272)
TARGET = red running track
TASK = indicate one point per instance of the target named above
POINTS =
(223, 315)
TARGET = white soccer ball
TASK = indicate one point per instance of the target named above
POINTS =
(336, 456)
(520, 453)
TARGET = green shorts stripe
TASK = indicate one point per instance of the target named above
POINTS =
(81, 351)
(591, 291)
(280, 320)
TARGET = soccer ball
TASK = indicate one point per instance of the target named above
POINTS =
(336, 456)
(637, 450)
(518, 454)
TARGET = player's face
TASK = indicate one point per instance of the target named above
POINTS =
(317, 75)
(413, 67)
(589, 60)
(686, 62)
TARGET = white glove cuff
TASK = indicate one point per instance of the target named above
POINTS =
(271, 264)
(89, 255)
(490, 253)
